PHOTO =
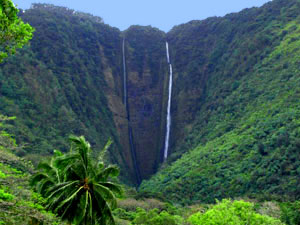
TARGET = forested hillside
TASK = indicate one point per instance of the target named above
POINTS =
(52, 86)
(237, 104)
(235, 101)
(59, 85)
(70, 81)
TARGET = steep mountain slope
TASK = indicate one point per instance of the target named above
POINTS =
(53, 86)
(18, 203)
(236, 102)
(70, 80)
(234, 108)
(59, 85)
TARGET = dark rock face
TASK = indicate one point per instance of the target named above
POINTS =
(147, 73)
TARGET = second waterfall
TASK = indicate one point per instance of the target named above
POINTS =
(130, 135)
(168, 124)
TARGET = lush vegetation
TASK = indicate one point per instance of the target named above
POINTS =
(57, 86)
(243, 138)
(14, 32)
(227, 212)
(78, 188)
(148, 211)
(19, 205)
(235, 120)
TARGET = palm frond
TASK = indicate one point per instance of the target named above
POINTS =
(106, 194)
(57, 153)
(45, 166)
(37, 178)
(91, 208)
(81, 211)
(104, 150)
(55, 200)
(73, 195)
(117, 189)
(74, 172)
(60, 187)
(83, 148)
(65, 160)
(43, 186)
(104, 215)
(103, 175)
(68, 211)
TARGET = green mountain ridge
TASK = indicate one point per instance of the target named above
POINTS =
(235, 108)
(245, 129)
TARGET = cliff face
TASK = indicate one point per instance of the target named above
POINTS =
(147, 75)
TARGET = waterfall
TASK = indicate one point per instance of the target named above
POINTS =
(131, 143)
(168, 56)
(124, 75)
(168, 124)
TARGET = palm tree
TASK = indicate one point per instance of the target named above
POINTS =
(82, 193)
(48, 176)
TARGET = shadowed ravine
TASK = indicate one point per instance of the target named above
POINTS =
(131, 143)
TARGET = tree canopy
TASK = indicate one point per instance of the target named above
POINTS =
(14, 33)
(232, 212)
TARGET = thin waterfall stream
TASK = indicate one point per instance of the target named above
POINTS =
(168, 124)
(124, 75)
(131, 145)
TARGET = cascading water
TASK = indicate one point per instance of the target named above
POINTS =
(131, 145)
(168, 124)
(124, 75)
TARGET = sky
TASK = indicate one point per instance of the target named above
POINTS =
(163, 14)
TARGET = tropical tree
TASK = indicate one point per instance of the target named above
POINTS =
(232, 212)
(14, 33)
(78, 188)
(48, 176)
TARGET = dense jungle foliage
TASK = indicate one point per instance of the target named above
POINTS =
(14, 32)
(235, 115)
(20, 205)
(53, 86)
(244, 138)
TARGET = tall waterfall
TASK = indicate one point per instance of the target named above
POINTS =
(131, 143)
(124, 75)
(168, 124)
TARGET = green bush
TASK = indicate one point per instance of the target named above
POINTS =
(153, 217)
(290, 212)
(124, 215)
(232, 212)
(2, 175)
(5, 196)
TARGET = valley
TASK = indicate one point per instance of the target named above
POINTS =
(209, 110)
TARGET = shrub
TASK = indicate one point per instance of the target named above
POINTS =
(2, 175)
(5, 196)
(290, 212)
(131, 204)
(153, 217)
(232, 212)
